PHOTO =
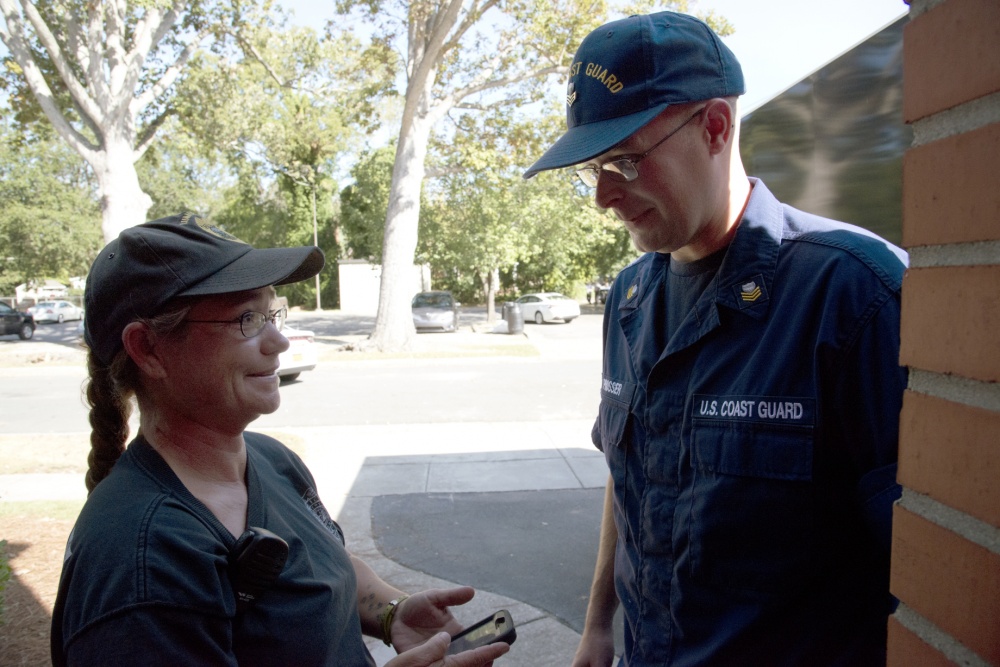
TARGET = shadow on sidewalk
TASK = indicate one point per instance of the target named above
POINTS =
(538, 547)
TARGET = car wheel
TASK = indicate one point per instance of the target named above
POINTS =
(291, 377)
(26, 332)
(538, 317)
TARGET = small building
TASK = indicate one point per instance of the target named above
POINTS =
(361, 280)
(31, 293)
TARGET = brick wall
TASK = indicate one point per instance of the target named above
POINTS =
(946, 528)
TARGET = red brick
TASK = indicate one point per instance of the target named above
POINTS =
(907, 649)
(950, 56)
(950, 320)
(950, 192)
(949, 452)
(948, 580)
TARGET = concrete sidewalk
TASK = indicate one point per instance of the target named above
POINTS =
(355, 466)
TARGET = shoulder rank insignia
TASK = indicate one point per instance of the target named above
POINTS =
(750, 291)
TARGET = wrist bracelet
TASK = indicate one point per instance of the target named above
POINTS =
(387, 615)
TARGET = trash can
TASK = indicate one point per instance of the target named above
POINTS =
(514, 317)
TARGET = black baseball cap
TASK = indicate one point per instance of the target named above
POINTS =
(627, 72)
(139, 272)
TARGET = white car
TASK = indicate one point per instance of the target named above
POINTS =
(548, 307)
(301, 354)
(55, 311)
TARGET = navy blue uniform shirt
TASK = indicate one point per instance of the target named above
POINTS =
(754, 456)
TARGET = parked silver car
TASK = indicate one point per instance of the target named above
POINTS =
(435, 311)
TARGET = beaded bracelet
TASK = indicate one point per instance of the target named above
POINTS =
(387, 615)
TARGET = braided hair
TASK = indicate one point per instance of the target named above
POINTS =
(110, 391)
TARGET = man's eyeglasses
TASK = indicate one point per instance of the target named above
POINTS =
(623, 169)
(251, 322)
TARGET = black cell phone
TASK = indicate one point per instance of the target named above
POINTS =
(496, 628)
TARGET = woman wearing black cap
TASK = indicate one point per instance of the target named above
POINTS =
(200, 543)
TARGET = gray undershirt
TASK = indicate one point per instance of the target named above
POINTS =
(684, 285)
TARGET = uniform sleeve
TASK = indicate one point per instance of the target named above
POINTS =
(866, 401)
(155, 594)
(151, 636)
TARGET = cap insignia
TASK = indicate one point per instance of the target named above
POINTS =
(212, 229)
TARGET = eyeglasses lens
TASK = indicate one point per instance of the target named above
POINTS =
(623, 170)
(619, 170)
(252, 322)
(588, 175)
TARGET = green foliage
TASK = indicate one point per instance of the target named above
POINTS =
(50, 221)
(542, 234)
(364, 203)
(178, 176)
(212, 23)
(263, 120)
(279, 215)
(281, 119)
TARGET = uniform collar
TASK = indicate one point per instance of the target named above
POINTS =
(746, 277)
(650, 267)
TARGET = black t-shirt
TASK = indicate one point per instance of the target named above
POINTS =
(146, 580)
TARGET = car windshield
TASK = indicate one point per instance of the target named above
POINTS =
(432, 301)
(47, 304)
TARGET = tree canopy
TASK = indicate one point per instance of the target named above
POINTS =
(104, 75)
(460, 56)
(47, 222)
(274, 132)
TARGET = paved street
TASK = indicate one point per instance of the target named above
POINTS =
(417, 456)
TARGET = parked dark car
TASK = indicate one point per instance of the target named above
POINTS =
(16, 322)
(435, 311)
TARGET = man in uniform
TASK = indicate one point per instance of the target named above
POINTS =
(751, 387)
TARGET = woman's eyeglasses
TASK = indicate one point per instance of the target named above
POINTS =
(623, 169)
(252, 322)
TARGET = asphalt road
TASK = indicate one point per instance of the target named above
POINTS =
(561, 383)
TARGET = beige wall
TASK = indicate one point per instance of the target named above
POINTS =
(360, 282)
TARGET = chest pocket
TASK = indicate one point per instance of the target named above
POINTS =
(611, 431)
(616, 402)
(753, 508)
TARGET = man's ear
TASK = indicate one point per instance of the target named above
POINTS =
(720, 121)
(140, 344)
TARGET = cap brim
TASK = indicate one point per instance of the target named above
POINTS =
(583, 142)
(260, 268)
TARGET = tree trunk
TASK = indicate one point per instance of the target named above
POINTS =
(312, 199)
(123, 202)
(492, 285)
(394, 324)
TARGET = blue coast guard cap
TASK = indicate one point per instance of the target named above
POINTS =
(626, 72)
